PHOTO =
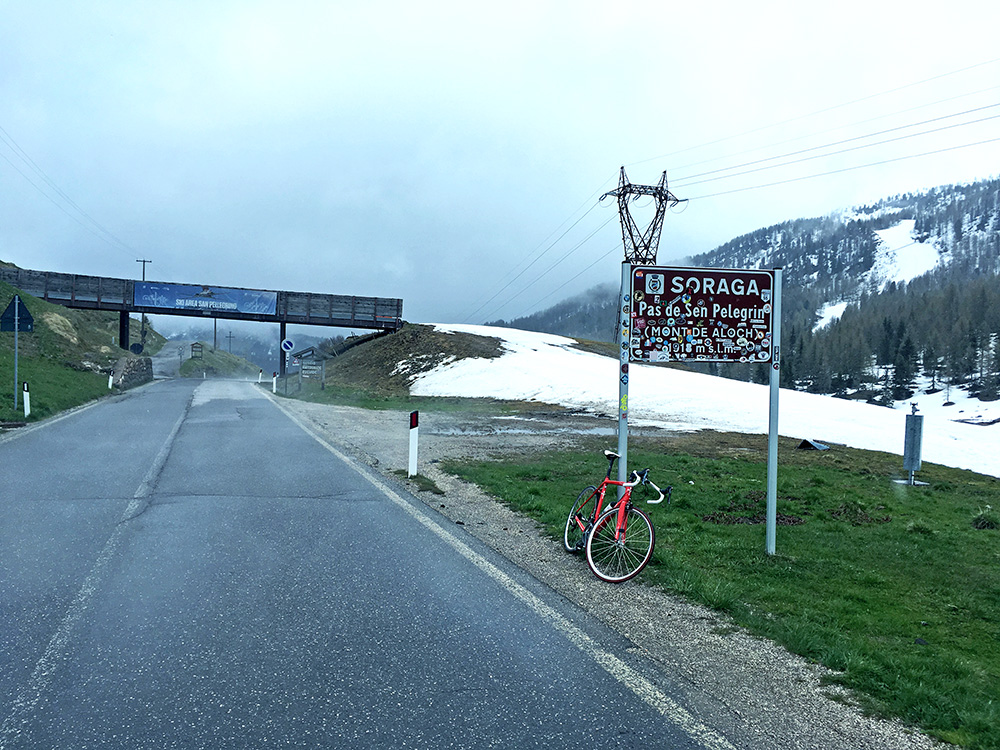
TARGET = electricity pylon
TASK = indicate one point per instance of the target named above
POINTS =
(640, 249)
(641, 246)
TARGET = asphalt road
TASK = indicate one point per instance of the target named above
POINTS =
(167, 362)
(184, 566)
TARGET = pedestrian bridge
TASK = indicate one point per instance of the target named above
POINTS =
(126, 296)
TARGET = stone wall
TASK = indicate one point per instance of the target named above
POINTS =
(132, 371)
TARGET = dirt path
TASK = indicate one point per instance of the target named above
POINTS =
(773, 697)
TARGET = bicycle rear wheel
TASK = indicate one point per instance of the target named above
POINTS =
(580, 519)
(614, 555)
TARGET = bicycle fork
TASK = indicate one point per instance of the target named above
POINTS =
(621, 523)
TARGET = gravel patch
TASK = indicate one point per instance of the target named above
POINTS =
(768, 697)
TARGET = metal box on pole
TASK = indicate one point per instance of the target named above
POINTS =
(912, 441)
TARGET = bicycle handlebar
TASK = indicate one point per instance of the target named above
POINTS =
(642, 477)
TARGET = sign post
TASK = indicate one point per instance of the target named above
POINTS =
(772, 421)
(623, 359)
(712, 315)
(16, 318)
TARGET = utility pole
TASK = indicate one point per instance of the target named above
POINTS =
(144, 262)
(640, 248)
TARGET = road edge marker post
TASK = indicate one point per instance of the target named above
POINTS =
(411, 468)
(27, 401)
(274, 383)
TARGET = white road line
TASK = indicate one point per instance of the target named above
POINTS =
(629, 677)
(55, 652)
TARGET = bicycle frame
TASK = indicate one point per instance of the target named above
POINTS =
(623, 503)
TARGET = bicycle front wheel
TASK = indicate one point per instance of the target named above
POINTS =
(614, 554)
(581, 516)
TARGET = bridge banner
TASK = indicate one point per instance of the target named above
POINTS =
(205, 298)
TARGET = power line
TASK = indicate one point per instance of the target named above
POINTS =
(846, 169)
(101, 232)
(580, 273)
(842, 151)
(687, 180)
(823, 111)
(540, 276)
(925, 105)
(533, 261)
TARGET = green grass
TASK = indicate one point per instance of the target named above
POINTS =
(65, 360)
(54, 388)
(865, 569)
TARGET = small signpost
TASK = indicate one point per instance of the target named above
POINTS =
(16, 318)
(287, 345)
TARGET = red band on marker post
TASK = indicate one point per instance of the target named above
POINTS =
(414, 416)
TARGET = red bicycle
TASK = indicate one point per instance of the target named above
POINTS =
(618, 540)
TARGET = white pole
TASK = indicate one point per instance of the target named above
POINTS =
(111, 379)
(411, 468)
(624, 320)
(772, 428)
(260, 376)
(27, 401)
(274, 383)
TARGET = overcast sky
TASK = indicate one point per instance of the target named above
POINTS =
(433, 150)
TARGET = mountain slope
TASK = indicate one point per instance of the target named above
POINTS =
(873, 295)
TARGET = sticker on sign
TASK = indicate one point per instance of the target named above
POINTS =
(701, 314)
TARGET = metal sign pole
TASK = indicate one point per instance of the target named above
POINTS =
(624, 325)
(17, 328)
(772, 429)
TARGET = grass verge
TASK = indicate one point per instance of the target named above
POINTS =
(65, 359)
(894, 588)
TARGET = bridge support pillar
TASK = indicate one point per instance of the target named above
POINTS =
(123, 329)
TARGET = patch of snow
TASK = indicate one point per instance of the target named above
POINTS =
(828, 313)
(544, 367)
(899, 257)
(961, 406)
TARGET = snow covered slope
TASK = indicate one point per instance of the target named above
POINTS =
(543, 367)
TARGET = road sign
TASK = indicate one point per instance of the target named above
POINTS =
(17, 311)
(287, 345)
(701, 314)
